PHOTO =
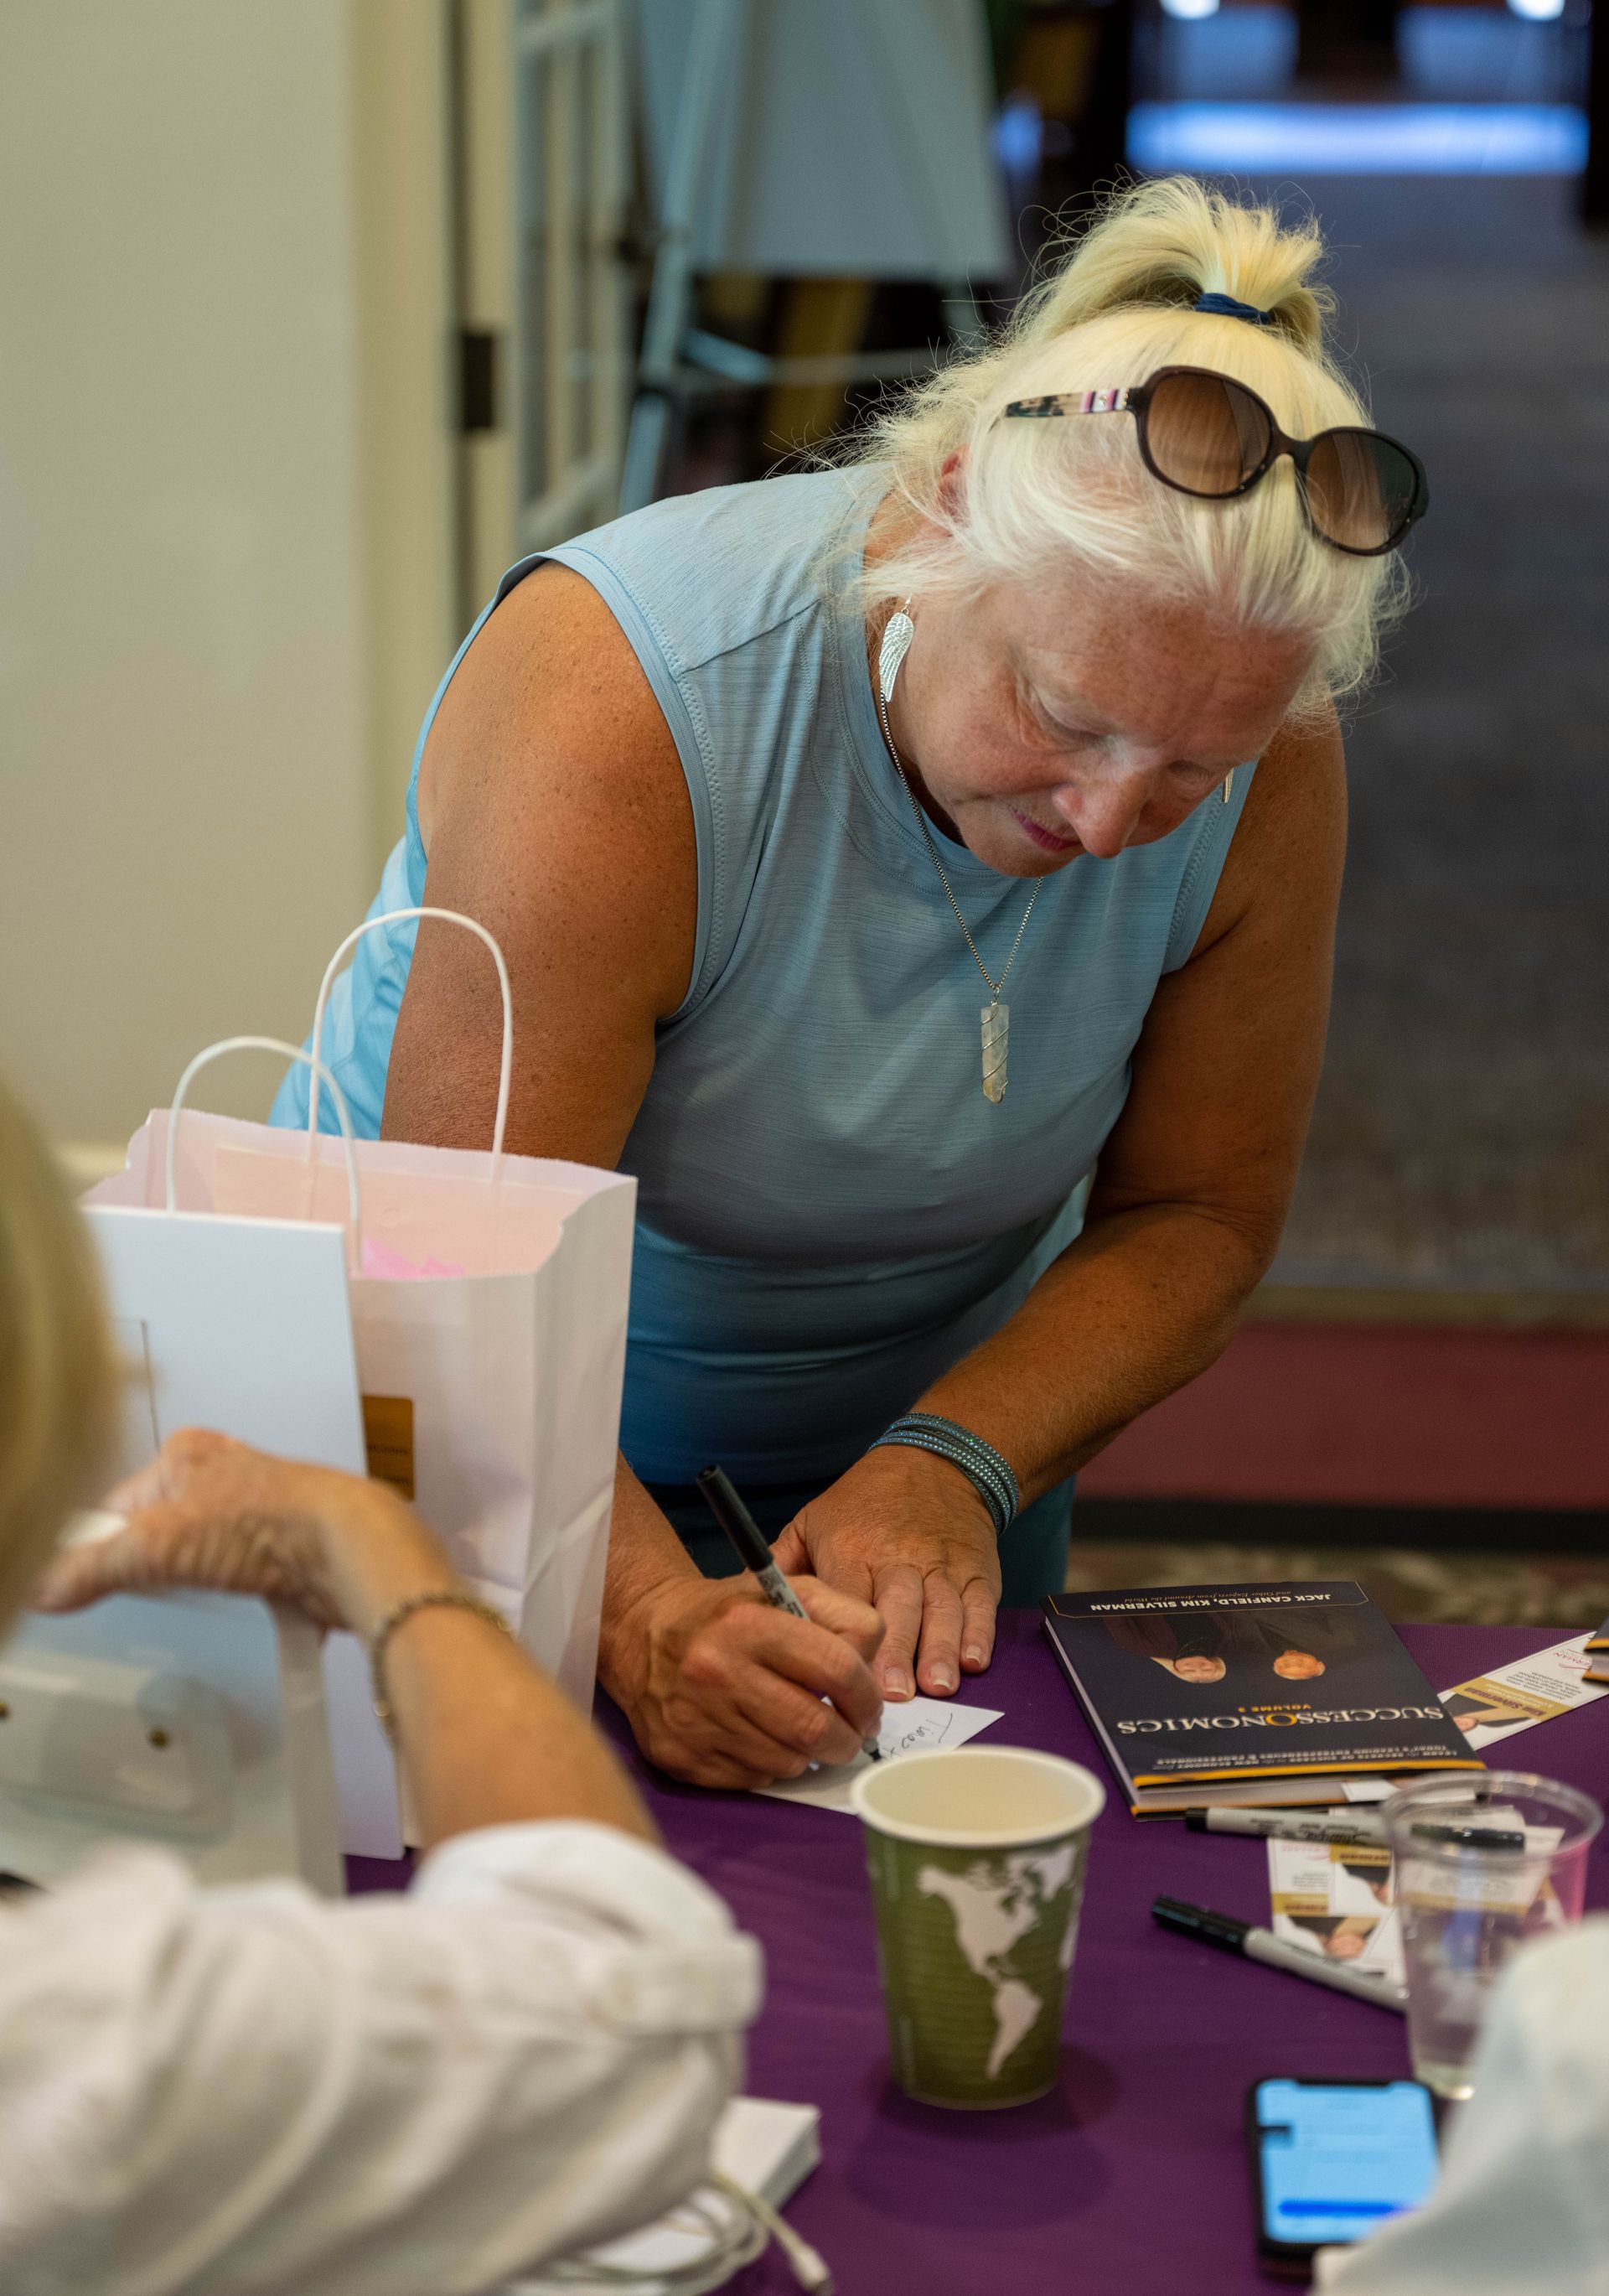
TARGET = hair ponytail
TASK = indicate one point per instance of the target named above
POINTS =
(1040, 498)
(1164, 244)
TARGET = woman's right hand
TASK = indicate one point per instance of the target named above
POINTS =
(724, 1691)
(211, 1512)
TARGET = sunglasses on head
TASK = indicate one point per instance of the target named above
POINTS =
(1206, 435)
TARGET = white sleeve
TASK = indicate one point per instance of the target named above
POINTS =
(1523, 2200)
(250, 2092)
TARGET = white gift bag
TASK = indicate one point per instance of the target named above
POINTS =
(488, 1298)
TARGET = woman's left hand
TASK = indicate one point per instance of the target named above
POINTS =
(906, 1532)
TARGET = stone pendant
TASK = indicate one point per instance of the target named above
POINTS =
(997, 1021)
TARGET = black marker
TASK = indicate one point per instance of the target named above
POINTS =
(753, 1551)
(1471, 1837)
(1254, 1944)
(1359, 1827)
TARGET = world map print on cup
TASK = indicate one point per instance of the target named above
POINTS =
(977, 1858)
(1006, 1912)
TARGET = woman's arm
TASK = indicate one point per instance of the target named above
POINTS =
(247, 2087)
(244, 2088)
(1188, 1202)
(555, 811)
(484, 1737)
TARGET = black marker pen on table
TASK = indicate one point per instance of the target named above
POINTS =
(1254, 1944)
(1360, 1827)
(753, 1551)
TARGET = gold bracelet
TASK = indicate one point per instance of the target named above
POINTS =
(454, 1598)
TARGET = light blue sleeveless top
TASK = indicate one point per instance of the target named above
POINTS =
(830, 1213)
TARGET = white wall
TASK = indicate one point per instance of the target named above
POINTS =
(188, 529)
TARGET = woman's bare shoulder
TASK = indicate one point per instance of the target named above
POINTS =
(551, 789)
(552, 681)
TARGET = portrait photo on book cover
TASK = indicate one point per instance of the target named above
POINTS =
(1245, 1684)
(1261, 1652)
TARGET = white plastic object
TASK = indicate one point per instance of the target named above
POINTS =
(131, 1742)
(761, 2154)
(192, 1720)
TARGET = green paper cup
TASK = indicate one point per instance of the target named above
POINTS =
(976, 1857)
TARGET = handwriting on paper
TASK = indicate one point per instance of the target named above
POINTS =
(916, 1727)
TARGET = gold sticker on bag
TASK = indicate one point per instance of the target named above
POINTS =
(388, 1435)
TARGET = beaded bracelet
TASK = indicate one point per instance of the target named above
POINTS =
(989, 1474)
(430, 1598)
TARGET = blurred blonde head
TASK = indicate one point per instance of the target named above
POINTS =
(1022, 500)
(57, 1379)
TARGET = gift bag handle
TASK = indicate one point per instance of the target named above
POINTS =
(506, 1069)
(355, 1242)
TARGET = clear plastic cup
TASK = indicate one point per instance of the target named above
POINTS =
(1468, 1905)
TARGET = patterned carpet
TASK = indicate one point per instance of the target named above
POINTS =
(1476, 1585)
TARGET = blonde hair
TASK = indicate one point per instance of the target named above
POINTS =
(1037, 495)
(58, 1385)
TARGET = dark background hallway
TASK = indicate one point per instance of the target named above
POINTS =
(1461, 1129)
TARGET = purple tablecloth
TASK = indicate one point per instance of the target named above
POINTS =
(1132, 2179)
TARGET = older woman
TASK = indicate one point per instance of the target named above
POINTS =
(211, 2092)
(922, 877)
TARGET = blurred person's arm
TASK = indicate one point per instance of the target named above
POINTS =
(485, 1738)
(246, 2088)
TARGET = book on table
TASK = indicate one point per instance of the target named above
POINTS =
(1597, 1654)
(1250, 1696)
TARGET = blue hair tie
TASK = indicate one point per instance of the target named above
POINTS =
(1225, 307)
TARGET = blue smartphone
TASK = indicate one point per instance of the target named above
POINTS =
(1333, 2159)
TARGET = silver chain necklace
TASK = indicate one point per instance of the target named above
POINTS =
(995, 1017)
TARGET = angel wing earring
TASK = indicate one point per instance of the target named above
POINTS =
(897, 633)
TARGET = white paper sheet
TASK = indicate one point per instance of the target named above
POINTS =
(913, 1728)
